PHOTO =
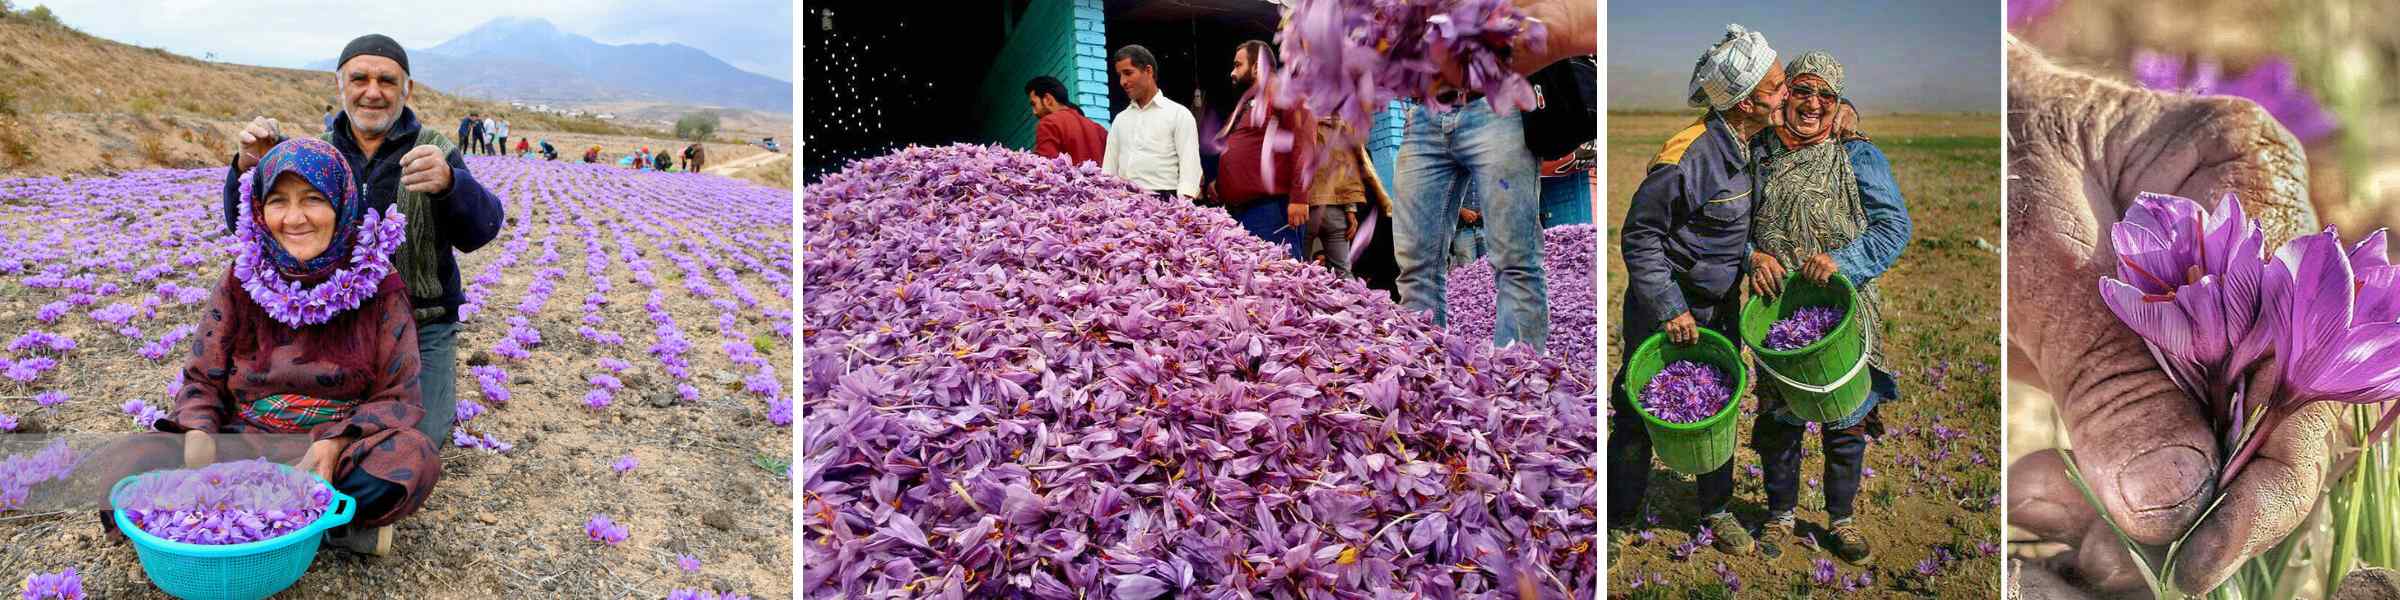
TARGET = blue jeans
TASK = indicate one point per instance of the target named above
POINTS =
(437, 380)
(1466, 246)
(1567, 200)
(1265, 218)
(1441, 154)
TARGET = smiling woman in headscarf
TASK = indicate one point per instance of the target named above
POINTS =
(1827, 204)
(310, 333)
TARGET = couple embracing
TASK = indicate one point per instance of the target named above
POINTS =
(1772, 179)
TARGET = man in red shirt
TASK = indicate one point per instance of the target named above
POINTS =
(1060, 127)
(1258, 176)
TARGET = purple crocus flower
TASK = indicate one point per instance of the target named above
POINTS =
(2334, 320)
(1823, 575)
(689, 564)
(625, 464)
(1725, 574)
(2025, 12)
(2191, 284)
(601, 529)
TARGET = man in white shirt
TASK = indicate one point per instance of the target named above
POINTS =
(1153, 142)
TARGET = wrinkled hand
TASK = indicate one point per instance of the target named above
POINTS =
(1469, 216)
(323, 456)
(425, 170)
(258, 137)
(1819, 268)
(1295, 215)
(2081, 150)
(199, 450)
(1683, 330)
(1766, 275)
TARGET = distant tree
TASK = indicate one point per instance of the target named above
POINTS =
(41, 13)
(697, 126)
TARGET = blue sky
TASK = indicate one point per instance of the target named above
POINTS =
(753, 35)
(1941, 55)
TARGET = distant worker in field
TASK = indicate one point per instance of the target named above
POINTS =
(523, 148)
(500, 137)
(663, 161)
(549, 153)
(396, 162)
(695, 157)
(466, 130)
(491, 136)
(641, 160)
(329, 117)
(1059, 126)
(592, 155)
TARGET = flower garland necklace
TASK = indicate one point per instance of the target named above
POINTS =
(295, 305)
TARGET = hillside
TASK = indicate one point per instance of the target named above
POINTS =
(159, 109)
(528, 59)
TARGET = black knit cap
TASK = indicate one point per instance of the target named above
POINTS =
(374, 44)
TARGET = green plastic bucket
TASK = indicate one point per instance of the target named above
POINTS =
(1823, 381)
(1690, 448)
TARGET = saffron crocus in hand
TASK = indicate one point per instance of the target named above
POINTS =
(2190, 282)
(2334, 320)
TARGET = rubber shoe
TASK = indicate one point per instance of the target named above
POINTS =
(373, 542)
(1732, 538)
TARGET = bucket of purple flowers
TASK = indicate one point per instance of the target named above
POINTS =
(230, 531)
(1687, 395)
(1810, 349)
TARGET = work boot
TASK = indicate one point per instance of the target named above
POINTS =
(373, 542)
(1776, 535)
(1732, 538)
(1849, 543)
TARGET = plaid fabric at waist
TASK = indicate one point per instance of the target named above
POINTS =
(293, 413)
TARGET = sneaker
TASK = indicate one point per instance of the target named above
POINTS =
(1849, 543)
(1732, 537)
(373, 542)
(1776, 535)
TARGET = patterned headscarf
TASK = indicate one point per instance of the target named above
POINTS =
(1729, 70)
(322, 166)
(1818, 63)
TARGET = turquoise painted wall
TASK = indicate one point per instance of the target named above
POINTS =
(1383, 141)
(1066, 39)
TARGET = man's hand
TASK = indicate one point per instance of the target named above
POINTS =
(1295, 214)
(323, 456)
(1683, 330)
(198, 449)
(1845, 123)
(425, 170)
(1819, 268)
(1469, 216)
(2080, 150)
(1766, 274)
(258, 137)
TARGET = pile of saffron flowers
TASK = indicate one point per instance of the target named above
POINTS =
(1686, 392)
(1804, 327)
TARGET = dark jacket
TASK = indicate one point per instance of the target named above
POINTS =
(1686, 239)
(467, 216)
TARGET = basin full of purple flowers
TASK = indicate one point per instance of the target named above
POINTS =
(1804, 327)
(226, 503)
(1686, 392)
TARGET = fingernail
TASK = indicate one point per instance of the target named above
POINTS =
(2162, 479)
